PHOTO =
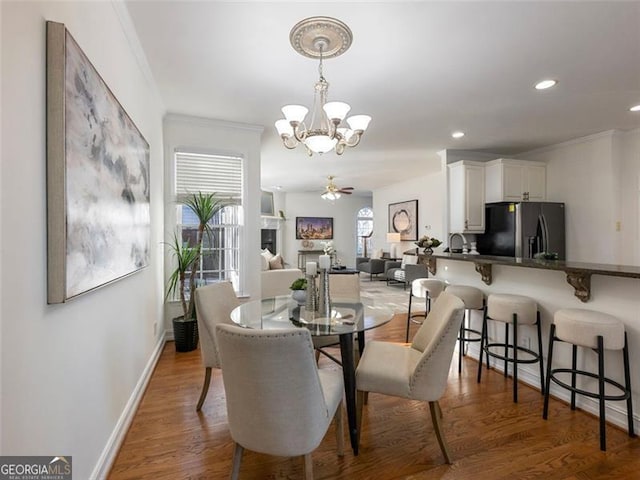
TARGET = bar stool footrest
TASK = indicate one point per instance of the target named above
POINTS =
(471, 339)
(535, 359)
(587, 393)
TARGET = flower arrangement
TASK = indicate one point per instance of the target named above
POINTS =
(428, 243)
(328, 247)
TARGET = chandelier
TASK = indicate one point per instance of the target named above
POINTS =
(321, 37)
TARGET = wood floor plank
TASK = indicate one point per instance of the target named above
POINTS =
(490, 437)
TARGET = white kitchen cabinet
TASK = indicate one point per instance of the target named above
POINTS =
(510, 180)
(466, 197)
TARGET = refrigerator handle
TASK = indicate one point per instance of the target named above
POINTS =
(545, 232)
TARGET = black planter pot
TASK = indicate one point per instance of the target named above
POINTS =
(185, 334)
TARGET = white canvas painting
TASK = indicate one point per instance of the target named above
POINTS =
(106, 181)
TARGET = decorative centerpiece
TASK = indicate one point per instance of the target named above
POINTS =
(299, 290)
(428, 244)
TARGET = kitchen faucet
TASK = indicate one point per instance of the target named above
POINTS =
(462, 238)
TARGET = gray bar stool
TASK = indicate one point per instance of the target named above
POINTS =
(517, 310)
(597, 331)
(473, 299)
(427, 288)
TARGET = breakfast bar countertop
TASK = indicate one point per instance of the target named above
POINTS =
(578, 273)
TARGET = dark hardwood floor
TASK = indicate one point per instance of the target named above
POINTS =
(490, 437)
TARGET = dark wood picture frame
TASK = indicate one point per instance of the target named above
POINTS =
(314, 228)
(403, 219)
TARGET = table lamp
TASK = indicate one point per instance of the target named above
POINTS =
(393, 239)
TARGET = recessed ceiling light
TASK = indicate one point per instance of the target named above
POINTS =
(457, 134)
(544, 84)
(635, 108)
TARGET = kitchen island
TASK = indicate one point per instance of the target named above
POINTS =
(613, 289)
(578, 273)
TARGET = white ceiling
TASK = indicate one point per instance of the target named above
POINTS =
(420, 69)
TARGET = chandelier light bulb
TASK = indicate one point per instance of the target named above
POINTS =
(336, 110)
(284, 127)
(359, 122)
(320, 143)
(295, 113)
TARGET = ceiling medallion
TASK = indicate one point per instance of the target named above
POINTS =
(321, 37)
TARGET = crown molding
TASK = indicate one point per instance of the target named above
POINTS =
(211, 122)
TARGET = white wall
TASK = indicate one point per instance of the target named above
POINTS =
(598, 178)
(430, 192)
(344, 212)
(69, 370)
(219, 137)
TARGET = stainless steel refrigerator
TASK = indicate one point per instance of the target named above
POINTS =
(523, 229)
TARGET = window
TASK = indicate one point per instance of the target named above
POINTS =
(222, 175)
(364, 229)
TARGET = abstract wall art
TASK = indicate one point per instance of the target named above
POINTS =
(403, 219)
(98, 218)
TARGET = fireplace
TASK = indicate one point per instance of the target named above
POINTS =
(268, 239)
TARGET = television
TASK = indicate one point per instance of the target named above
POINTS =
(314, 228)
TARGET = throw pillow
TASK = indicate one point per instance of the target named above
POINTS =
(377, 253)
(409, 260)
(276, 263)
(265, 262)
(266, 256)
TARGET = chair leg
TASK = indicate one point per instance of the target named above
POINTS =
(317, 356)
(339, 418)
(308, 467)
(408, 318)
(359, 403)
(603, 431)
(515, 358)
(574, 363)
(434, 407)
(205, 388)
(540, 354)
(483, 339)
(237, 459)
(627, 384)
(552, 335)
(506, 349)
(461, 346)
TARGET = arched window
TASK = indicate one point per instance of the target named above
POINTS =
(364, 229)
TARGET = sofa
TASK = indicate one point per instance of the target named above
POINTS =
(276, 279)
(277, 282)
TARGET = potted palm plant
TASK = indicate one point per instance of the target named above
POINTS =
(187, 257)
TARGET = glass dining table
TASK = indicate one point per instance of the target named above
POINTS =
(348, 318)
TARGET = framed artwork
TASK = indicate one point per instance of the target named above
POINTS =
(266, 204)
(314, 228)
(98, 219)
(403, 219)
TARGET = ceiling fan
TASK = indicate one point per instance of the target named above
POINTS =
(332, 192)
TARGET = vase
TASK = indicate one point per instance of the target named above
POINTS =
(428, 251)
(299, 296)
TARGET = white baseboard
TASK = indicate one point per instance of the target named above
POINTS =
(108, 456)
(616, 412)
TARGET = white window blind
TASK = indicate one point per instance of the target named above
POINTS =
(206, 173)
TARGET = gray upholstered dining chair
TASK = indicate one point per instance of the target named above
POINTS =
(278, 402)
(418, 371)
(214, 304)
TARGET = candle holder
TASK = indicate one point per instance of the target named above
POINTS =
(324, 301)
(311, 302)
